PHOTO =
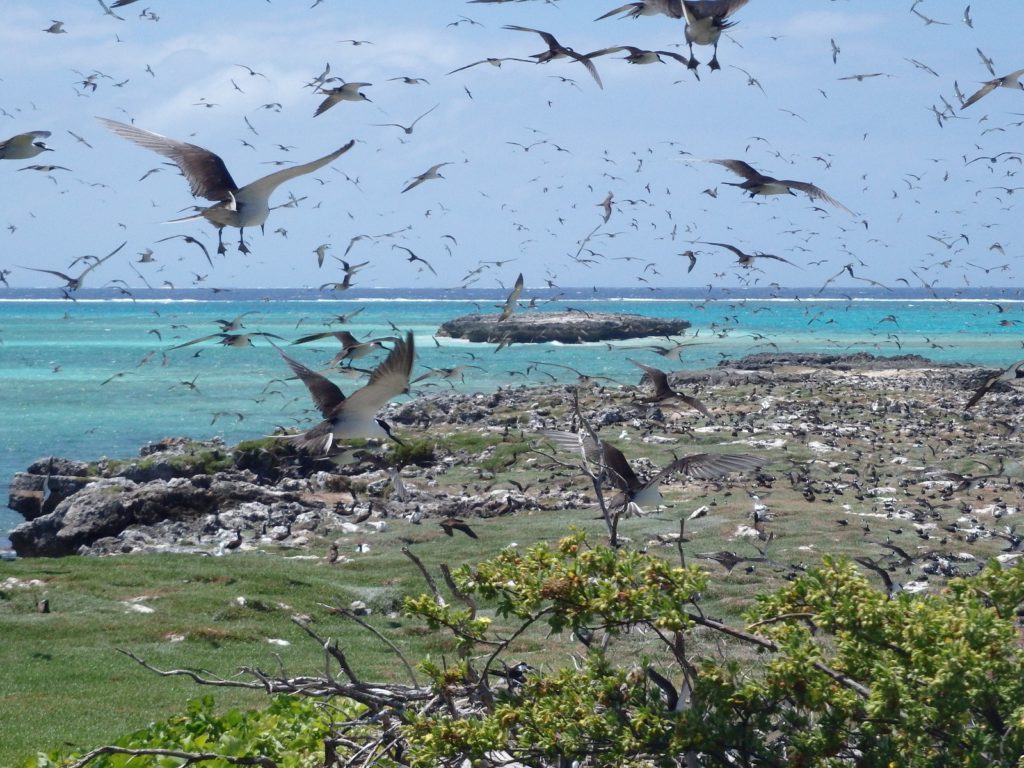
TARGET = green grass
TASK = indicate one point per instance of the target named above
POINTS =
(65, 683)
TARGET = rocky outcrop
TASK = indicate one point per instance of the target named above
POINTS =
(111, 512)
(857, 361)
(574, 327)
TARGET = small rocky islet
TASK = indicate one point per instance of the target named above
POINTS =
(574, 326)
(881, 446)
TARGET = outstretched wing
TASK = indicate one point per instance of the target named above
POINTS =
(206, 173)
(325, 393)
(815, 193)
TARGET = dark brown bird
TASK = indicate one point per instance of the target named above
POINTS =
(1013, 373)
(451, 524)
(663, 390)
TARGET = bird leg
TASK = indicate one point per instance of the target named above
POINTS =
(241, 241)
(713, 64)
(692, 63)
(221, 250)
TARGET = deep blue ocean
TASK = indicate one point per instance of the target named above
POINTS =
(55, 354)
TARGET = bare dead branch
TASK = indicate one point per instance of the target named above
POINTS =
(431, 584)
(189, 757)
(332, 650)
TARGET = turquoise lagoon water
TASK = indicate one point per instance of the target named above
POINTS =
(55, 354)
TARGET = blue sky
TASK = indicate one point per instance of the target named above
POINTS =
(874, 144)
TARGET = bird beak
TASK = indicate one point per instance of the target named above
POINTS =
(44, 147)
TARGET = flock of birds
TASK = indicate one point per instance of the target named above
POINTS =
(702, 23)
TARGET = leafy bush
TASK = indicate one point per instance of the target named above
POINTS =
(828, 671)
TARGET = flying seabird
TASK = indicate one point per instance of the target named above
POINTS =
(1013, 373)
(355, 415)
(558, 51)
(1011, 80)
(663, 390)
(427, 175)
(512, 301)
(74, 283)
(346, 92)
(408, 128)
(633, 494)
(746, 259)
(670, 8)
(209, 178)
(705, 22)
(24, 146)
(756, 183)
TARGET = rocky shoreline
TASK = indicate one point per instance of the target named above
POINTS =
(182, 495)
(570, 327)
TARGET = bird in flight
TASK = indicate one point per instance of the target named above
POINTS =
(74, 283)
(746, 259)
(346, 92)
(1014, 372)
(355, 415)
(1011, 80)
(558, 51)
(635, 494)
(705, 22)
(512, 301)
(427, 175)
(209, 178)
(24, 146)
(663, 390)
(756, 183)
(408, 128)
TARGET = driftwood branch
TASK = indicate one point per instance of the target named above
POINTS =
(189, 757)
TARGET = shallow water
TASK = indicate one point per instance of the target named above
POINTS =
(55, 355)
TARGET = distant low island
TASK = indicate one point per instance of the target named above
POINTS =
(571, 327)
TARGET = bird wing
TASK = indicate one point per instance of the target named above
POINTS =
(732, 248)
(263, 187)
(658, 378)
(23, 139)
(740, 168)
(96, 263)
(979, 94)
(619, 473)
(815, 193)
(512, 300)
(705, 9)
(710, 466)
(388, 380)
(325, 393)
(206, 173)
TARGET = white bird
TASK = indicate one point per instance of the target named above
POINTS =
(24, 145)
(209, 178)
(427, 175)
(346, 92)
(1011, 80)
(356, 415)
